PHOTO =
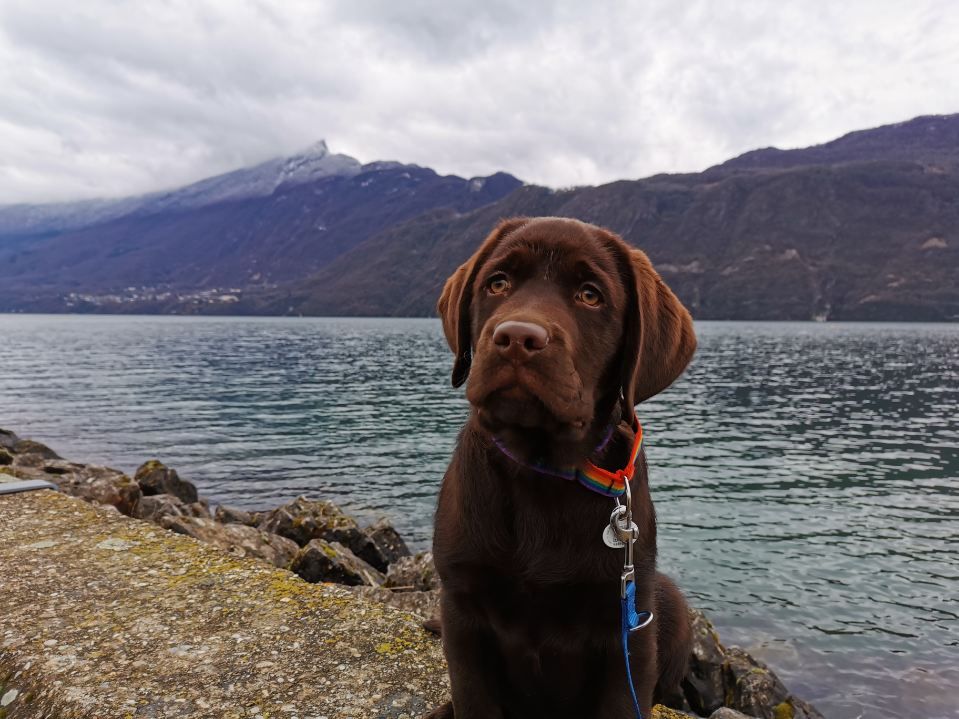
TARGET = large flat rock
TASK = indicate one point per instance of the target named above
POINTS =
(106, 616)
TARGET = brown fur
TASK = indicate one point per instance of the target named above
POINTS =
(530, 606)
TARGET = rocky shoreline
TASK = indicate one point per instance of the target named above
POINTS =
(317, 541)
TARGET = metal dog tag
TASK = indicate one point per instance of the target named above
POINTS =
(611, 540)
(611, 535)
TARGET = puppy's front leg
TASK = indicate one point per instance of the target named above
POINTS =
(616, 701)
(473, 663)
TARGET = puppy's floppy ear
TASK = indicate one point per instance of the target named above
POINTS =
(454, 304)
(659, 336)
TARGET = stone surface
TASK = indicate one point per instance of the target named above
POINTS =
(8, 439)
(424, 605)
(158, 625)
(703, 685)
(6, 457)
(237, 539)
(154, 477)
(102, 485)
(727, 713)
(233, 515)
(304, 520)
(157, 506)
(664, 712)
(751, 687)
(387, 541)
(416, 573)
(28, 446)
(322, 561)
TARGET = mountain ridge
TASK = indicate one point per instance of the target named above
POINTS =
(863, 227)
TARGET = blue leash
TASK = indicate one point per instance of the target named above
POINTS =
(622, 532)
(632, 620)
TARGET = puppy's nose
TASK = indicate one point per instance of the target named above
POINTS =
(523, 337)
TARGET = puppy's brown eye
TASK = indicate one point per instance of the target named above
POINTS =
(498, 284)
(589, 296)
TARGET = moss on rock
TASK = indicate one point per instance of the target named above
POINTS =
(139, 621)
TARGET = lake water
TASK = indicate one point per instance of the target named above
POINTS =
(806, 476)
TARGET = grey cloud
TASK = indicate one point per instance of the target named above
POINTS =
(110, 99)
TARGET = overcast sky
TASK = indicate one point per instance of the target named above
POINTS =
(109, 98)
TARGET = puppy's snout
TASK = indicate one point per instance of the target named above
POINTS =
(520, 339)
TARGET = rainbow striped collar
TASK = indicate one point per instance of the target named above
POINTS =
(599, 480)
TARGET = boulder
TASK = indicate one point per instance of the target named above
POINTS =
(387, 541)
(60, 466)
(8, 439)
(29, 447)
(157, 506)
(703, 685)
(154, 477)
(304, 520)
(6, 457)
(727, 713)
(424, 605)
(661, 711)
(233, 515)
(416, 573)
(322, 561)
(794, 708)
(102, 485)
(751, 687)
(236, 539)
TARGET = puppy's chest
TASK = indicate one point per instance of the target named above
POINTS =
(547, 538)
(545, 635)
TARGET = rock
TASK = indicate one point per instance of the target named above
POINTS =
(232, 515)
(236, 539)
(387, 540)
(322, 561)
(157, 506)
(727, 713)
(28, 446)
(663, 712)
(754, 689)
(154, 477)
(424, 605)
(751, 687)
(794, 708)
(8, 439)
(102, 485)
(304, 520)
(6, 457)
(416, 573)
(60, 466)
(703, 685)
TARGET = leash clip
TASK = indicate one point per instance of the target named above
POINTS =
(628, 577)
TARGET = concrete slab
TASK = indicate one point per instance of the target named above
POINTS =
(106, 616)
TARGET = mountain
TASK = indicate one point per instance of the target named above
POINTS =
(275, 222)
(931, 140)
(862, 228)
(24, 220)
(865, 227)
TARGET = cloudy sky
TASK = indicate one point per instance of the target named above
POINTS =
(110, 98)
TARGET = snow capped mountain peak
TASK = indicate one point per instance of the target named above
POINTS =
(317, 149)
(314, 162)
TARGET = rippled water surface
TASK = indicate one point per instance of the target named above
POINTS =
(806, 476)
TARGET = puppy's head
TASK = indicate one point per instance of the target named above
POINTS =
(554, 320)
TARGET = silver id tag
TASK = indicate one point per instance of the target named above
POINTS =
(611, 540)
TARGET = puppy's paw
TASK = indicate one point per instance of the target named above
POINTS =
(434, 627)
(442, 712)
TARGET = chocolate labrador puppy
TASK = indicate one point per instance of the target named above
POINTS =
(562, 329)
